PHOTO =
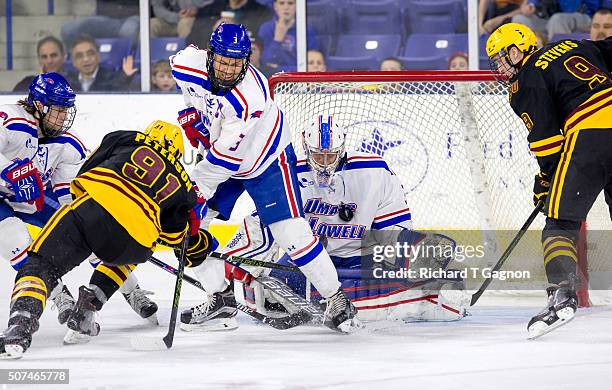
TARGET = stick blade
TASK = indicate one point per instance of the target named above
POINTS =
(148, 343)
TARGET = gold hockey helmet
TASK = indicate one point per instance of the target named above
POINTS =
(167, 135)
(500, 42)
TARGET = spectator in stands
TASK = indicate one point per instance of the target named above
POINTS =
(227, 17)
(113, 19)
(91, 76)
(51, 57)
(494, 13)
(315, 61)
(256, 49)
(174, 17)
(247, 12)
(557, 16)
(458, 61)
(390, 64)
(279, 37)
(601, 26)
(161, 77)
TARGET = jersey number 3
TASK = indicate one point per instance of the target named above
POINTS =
(146, 168)
(584, 70)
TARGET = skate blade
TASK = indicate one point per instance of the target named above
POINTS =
(351, 326)
(12, 352)
(73, 337)
(540, 328)
(224, 324)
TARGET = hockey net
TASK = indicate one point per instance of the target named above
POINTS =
(459, 150)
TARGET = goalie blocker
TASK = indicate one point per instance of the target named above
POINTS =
(376, 298)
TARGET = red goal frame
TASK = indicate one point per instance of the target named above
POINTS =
(441, 75)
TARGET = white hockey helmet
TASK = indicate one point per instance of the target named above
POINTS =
(324, 143)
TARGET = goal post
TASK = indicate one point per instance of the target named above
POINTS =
(451, 137)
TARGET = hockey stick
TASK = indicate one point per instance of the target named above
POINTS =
(281, 323)
(508, 251)
(237, 260)
(147, 343)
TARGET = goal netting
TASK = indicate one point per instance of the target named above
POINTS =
(456, 145)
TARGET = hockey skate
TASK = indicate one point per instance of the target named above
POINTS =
(16, 339)
(64, 303)
(142, 305)
(218, 313)
(81, 323)
(341, 314)
(561, 308)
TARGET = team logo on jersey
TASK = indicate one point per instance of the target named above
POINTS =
(3, 115)
(317, 207)
(256, 114)
(342, 231)
(402, 147)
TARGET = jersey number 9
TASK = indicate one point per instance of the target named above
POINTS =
(584, 70)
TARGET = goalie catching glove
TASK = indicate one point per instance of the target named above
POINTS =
(200, 245)
(541, 186)
(24, 180)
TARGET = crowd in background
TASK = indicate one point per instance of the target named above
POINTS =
(271, 25)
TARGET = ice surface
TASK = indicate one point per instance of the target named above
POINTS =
(487, 350)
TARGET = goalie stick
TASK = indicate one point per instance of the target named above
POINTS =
(150, 343)
(280, 323)
(237, 260)
(507, 253)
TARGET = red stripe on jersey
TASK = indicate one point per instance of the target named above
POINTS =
(392, 213)
(244, 102)
(191, 69)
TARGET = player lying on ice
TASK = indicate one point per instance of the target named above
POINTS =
(563, 94)
(354, 202)
(246, 142)
(130, 193)
(35, 142)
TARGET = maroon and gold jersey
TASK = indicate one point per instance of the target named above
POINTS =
(143, 186)
(560, 89)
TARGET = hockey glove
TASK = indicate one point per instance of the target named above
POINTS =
(541, 186)
(24, 180)
(200, 245)
(191, 122)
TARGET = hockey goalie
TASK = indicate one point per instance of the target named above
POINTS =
(355, 204)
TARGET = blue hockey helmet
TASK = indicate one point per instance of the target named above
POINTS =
(57, 98)
(232, 42)
(51, 89)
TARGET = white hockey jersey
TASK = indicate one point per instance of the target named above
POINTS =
(247, 129)
(365, 184)
(57, 159)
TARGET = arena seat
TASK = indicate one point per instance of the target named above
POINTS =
(433, 16)
(367, 17)
(431, 51)
(113, 50)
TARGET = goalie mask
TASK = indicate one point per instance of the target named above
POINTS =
(324, 143)
(53, 99)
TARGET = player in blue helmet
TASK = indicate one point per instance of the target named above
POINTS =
(51, 102)
(229, 56)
